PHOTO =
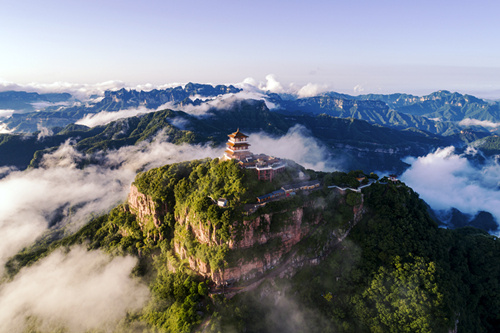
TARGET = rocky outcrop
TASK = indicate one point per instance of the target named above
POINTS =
(263, 241)
(258, 231)
(145, 208)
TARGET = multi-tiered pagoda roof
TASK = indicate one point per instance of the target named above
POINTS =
(265, 166)
(237, 146)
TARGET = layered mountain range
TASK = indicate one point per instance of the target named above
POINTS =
(371, 131)
(356, 253)
(438, 113)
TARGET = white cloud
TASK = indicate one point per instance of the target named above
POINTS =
(202, 98)
(105, 117)
(6, 113)
(358, 89)
(179, 122)
(445, 179)
(79, 290)
(4, 129)
(475, 122)
(311, 90)
(5, 170)
(29, 199)
(44, 132)
(298, 145)
(249, 81)
(272, 85)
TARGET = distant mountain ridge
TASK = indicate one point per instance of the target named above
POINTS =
(359, 144)
(437, 113)
(124, 99)
(442, 104)
(24, 101)
(373, 111)
(115, 101)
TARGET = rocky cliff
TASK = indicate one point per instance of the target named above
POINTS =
(145, 208)
(257, 243)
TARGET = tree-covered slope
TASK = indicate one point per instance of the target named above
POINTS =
(489, 145)
(395, 271)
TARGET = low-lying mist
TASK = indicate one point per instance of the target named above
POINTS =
(59, 192)
(78, 291)
(297, 145)
(446, 179)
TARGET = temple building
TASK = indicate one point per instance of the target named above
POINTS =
(237, 146)
(265, 166)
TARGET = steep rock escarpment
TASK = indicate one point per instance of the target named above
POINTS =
(145, 208)
(256, 244)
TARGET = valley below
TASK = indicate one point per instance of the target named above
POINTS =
(125, 205)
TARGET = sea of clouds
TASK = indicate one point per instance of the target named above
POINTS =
(447, 179)
(60, 191)
(79, 290)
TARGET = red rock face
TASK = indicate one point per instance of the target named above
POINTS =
(143, 206)
(204, 234)
(252, 233)
(258, 231)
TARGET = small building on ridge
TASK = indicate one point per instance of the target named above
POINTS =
(266, 166)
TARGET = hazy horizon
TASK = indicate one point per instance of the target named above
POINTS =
(349, 47)
(269, 83)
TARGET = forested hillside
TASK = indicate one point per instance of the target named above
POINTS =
(392, 270)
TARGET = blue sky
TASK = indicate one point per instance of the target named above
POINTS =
(375, 46)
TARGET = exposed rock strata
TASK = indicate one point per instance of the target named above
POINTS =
(250, 234)
(144, 207)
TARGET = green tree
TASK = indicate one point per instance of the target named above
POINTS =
(404, 298)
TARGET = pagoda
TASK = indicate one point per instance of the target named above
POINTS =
(267, 167)
(237, 146)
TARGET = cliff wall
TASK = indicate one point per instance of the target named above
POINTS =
(256, 245)
(145, 208)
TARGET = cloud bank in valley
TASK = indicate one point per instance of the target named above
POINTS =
(4, 129)
(106, 117)
(298, 145)
(59, 192)
(79, 290)
(445, 179)
(6, 113)
(474, 122)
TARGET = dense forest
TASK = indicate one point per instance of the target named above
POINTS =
(395, 271)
